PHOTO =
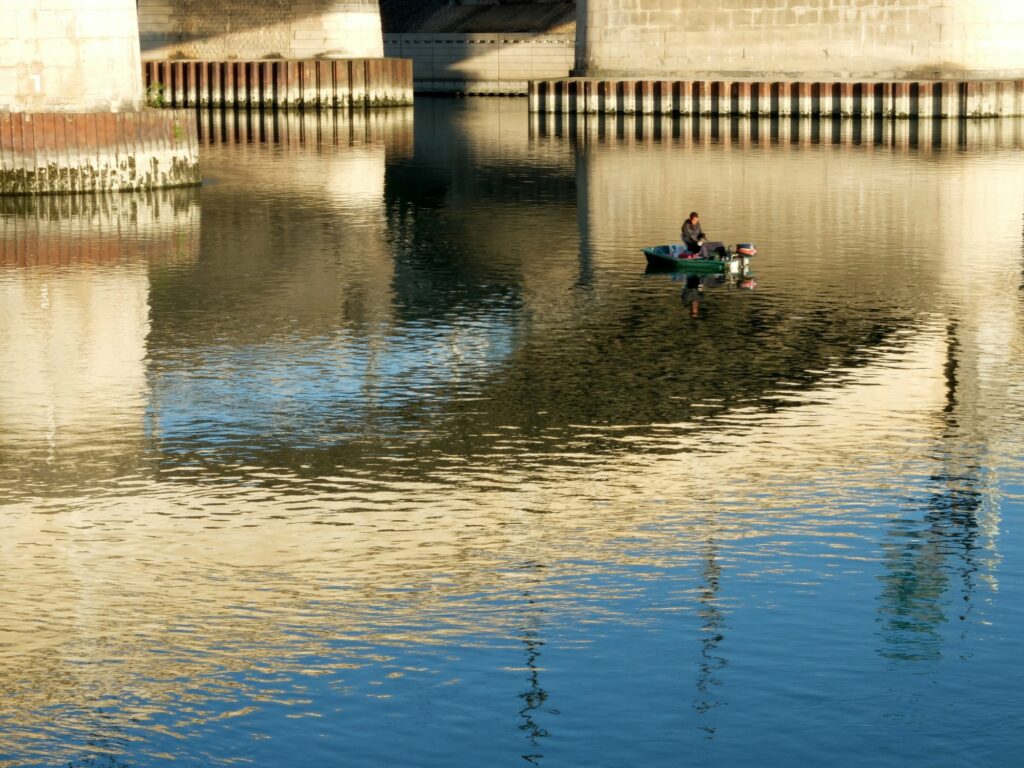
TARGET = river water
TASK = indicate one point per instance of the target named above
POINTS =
(383, 448)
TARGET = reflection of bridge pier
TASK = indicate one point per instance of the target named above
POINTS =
(390, 129)
(331, 163)
(706, 169)
(919, 136)
(297, 243)
(943, 550)
(963, 305)
(738, 39)
(957, 59)
(75, 281)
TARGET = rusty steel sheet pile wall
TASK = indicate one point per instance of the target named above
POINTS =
(291, 84)
(924, 99)
(814, 41)
(46, 152)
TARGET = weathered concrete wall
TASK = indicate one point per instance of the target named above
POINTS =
(240, 29)
(482, 63)
(812, 39)
(478, 16)
(69, 56)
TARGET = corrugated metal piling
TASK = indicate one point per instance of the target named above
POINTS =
(280, 83)
(903, 99)
(53, 152)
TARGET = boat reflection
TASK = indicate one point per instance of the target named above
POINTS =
(696, 286)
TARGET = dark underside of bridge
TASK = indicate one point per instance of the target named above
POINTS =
(443, 16)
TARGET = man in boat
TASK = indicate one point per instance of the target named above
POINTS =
(693, 235)
(696, 242)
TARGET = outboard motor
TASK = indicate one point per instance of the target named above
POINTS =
(746, 249)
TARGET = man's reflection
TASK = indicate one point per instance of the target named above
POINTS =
(693, 295)
(695, 286)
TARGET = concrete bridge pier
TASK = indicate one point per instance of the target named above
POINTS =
(914, 58)
(71, 103)
(958, 40)
(292, 54)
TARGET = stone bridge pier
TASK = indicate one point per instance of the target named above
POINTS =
(71, 103)
(951, 58)
(812, 40)
(285, 53)
(241, 29)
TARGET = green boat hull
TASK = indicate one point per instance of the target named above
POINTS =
(660, 257)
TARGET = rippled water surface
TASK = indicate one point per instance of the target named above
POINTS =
(383, 448)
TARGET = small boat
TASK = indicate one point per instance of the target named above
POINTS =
(724, 261)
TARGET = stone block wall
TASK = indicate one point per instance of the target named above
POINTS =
(218, 30)
(481, 63)
(823, 39)
(69, 56)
